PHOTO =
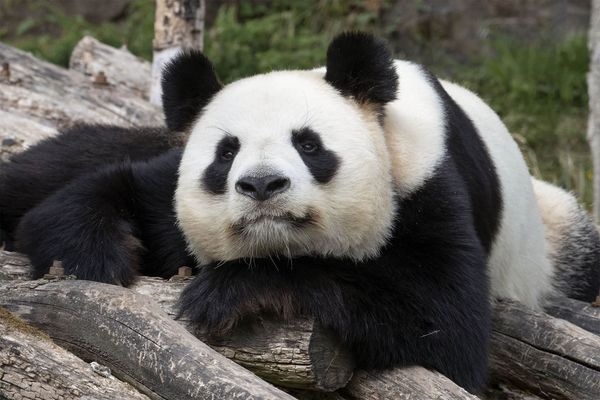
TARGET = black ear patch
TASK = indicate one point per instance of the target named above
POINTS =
(361, 66)
(188, 83)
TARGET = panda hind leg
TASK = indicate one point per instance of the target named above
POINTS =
(573, 242)
(89, 226)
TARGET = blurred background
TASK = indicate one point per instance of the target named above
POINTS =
(527, 58)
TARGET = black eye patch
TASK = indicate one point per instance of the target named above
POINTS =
(215, 176)
(321, 162)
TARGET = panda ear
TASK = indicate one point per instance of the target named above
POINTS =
(361, 66)
(188, 83)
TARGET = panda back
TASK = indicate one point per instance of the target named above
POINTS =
(418, 128)
(518, 263)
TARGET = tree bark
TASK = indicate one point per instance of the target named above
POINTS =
(594, 99)
(179, 24)
(414, 383)
(582, 314)
(547, 356)
(294, 354)
(17, 132)
(50, 98)
(118, 66)
(33, 367)
(531, 350)
(131, 335)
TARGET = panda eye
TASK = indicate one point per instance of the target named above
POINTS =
(309, 147)
(227, 155)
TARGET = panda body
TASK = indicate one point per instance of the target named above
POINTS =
(389, 206)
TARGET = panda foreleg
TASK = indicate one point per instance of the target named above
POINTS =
(93, 224)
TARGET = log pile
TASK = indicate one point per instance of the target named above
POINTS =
(125, 329)
(125, 343)
(38, 98)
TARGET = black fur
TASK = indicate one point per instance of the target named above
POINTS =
(33, 175)
(109, 225)
(188, 83)
(321, 162)
(423, 301)
(214, 178)
(577, 261)
(474, 165)
(361, 66)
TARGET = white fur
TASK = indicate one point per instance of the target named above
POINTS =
(519, 266)
(354, 209)
(414, 129)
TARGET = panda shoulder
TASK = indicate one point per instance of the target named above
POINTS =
(415, 128)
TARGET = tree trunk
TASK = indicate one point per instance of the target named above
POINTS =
(594, 95)
(33, 367)
(38, 98)
(118, 66)
(547, 356)
(129, 333)
(179, 24)
(530, 350)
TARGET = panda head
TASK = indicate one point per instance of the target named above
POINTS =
(286, 163)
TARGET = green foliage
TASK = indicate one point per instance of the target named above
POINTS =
(52, 34)
(539, 89)
(540, 92)
(287, 34)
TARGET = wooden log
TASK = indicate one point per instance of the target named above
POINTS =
(529, 348)
(294, 354)
(593, 79)
(119, 66)
(178, 25)
(56, 97)
(577, 312)
(414, 383)
(547, 356)
(14, 266)
(129, 333)
(33, 367)
(18, 131)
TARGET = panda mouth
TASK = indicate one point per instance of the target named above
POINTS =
(240, 227)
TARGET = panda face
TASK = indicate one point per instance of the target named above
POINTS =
(283, 164)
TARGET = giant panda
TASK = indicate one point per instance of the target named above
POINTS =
(389, 205)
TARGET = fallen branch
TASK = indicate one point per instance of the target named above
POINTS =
(415, 383)
(548, 356)
(17, 132)
(56, 97)
(294, 354)
(582, 314)
(120, 68)
(531, 350)
(33, 367)
(130, 334)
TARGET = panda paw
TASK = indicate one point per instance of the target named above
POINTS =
(82, 226)
(213, 311)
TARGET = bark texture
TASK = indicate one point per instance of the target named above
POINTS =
(594, 98)
(119, 67)
(547, 356)
(414, 383)
(129, 333)
(295, 354)
(178, 24)
(33, 367)
(530, 350)
(38, 98)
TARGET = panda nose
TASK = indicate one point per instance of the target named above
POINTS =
(262, 188)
